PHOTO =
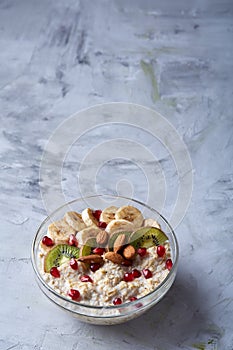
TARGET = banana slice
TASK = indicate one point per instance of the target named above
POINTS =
(131, 214)
(151, 223)
(86, 233)
(108, 214)
(74, 220)
(119, 225)
(88, 217)
(60, 231)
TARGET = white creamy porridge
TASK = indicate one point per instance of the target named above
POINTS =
(104, 258)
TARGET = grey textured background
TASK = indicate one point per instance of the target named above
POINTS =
(57, 57)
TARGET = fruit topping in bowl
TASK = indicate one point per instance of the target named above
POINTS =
(105, 258)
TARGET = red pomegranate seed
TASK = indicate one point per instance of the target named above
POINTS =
(169, 264)
(136, 273)
(128, 277)
(47, 241)
(142, 252)
(161, 250)
(99, 251)
(133, 298)
(55, 272)
(147, 273)
(86, 278)
(97, 214)
(102, 224)
(94, 267)
(117, 301)
(73, 264)
(74, 294)
(138, 305)
(73, 241)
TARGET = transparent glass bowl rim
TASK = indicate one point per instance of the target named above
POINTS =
(121, 306)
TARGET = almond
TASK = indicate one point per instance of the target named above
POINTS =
(93, 258)
(129, 252)
(119, 242)
(114, 257)
(102, 238)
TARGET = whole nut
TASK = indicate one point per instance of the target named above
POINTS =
(102, 238)
(93, 258)
(129, 252)
(119, 242)
(114, 257)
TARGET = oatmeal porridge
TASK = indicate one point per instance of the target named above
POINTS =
(105, 258)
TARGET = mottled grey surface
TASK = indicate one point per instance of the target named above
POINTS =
(174, 56)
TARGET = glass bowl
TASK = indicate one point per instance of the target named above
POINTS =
(108, 315)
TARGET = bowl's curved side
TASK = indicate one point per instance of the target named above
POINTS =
(110, 314)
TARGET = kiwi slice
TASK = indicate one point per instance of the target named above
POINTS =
(59, 255)
(114, 236)
(147, 237)
(88, 247)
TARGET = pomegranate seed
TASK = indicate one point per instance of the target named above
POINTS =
(138, 305)
(147, 273)
(74, 294)
(161, 250)
(47, 241)
(128, 277)
(99, 251)
(102, 224)
(94, 267)
(169, 264)
(117, 301)
(133, 298)
(142, 252)
(73, 264)
(136, 273)
(86, 278)
(73, 241)
(127, 263)
(55, 272)
(97, 214)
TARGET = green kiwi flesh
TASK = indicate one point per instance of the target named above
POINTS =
(88, 247)
(147, 237)
(114, 236)
(60, 254)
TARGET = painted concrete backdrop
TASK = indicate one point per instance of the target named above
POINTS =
(58, 57)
